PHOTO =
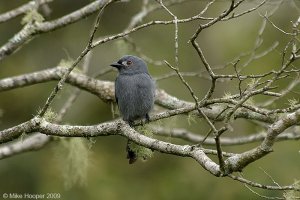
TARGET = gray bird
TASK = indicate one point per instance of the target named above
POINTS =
(134, 92)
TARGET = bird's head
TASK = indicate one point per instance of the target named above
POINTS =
(130, 65)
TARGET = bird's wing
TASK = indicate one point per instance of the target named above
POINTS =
(116, 96)
(116, 99)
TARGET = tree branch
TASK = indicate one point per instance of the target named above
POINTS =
(32, 29)
(225, 141)
(105, 91)
(21, 10)
(238, 162)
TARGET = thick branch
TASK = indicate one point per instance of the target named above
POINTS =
(123, 129)
(102, 89)
(118, 127)
(238, 162)
(105, 91)
(14, 132)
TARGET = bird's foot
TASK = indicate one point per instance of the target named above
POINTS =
(131, 123)
(147, 117)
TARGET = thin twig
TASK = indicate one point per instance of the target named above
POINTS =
(197, 105)
(258, 185)
(60, 84)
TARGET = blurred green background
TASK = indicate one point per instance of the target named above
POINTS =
(164, 176)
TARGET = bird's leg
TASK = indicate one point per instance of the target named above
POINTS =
(147, 118)
(130, 122)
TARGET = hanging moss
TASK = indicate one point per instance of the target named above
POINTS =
(291, 194)
(32, 16)
(142, 153)
(72, 156)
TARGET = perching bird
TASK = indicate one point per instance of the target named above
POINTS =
(134, 92)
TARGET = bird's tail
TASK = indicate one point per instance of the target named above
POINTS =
(131, 155)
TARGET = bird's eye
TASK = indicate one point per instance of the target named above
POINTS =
(127, 63)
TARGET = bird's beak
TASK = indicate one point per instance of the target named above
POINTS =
(116, 65)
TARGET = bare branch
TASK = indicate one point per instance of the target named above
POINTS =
(220, 107)
(22, 9)
(258, 185)
(33, 142)
(105, 91)
(63, 79)
(225, 141)
(237, 163)
(282, 31)
(32, 29)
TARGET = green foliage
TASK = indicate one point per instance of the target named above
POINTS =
(291, 194)
(72, 156)
(32, 16)
(142, 153)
